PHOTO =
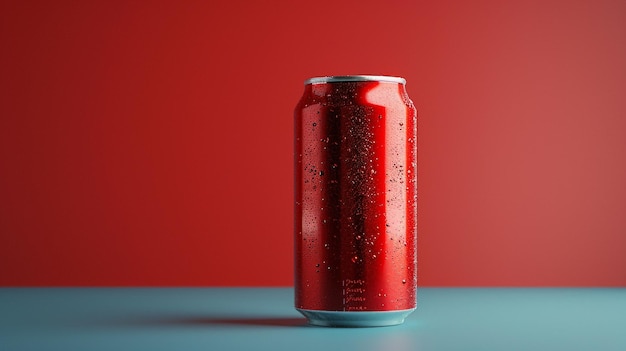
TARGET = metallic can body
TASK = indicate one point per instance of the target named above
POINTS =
(355, 201)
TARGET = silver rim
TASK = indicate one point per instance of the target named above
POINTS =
(335, 79)
(355, 318)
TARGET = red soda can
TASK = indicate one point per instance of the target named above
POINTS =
(355, 201)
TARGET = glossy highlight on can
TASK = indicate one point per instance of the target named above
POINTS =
(355, 201)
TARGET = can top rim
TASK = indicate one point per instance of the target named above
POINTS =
(357, 78)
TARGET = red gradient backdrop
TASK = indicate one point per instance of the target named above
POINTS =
(150, 143)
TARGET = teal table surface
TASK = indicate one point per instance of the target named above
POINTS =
(264, 319)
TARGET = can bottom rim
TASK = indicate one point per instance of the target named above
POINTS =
(355, 318)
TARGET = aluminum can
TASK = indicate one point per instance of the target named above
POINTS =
(355, 201)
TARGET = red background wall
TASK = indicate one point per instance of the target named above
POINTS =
(150, 143)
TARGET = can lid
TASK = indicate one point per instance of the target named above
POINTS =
(359, 78)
